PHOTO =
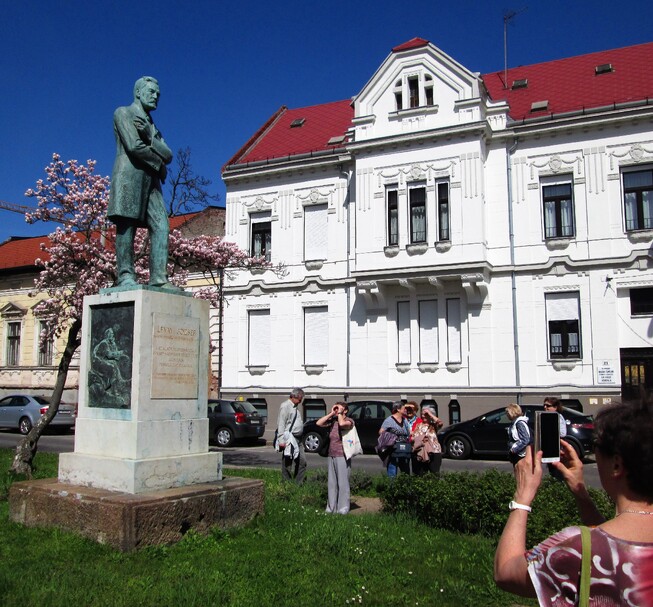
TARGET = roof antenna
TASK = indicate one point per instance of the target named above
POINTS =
(507, 17)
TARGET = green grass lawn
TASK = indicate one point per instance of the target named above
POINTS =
(294, 555)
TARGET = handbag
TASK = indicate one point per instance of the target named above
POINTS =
(275, 440)
(585, 567)
(402, 448)
(351, 443)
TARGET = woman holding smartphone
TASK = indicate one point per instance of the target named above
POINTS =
(620, 550)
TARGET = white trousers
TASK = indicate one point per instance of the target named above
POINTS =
(339, 470)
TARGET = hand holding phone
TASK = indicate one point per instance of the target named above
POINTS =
(547, 435)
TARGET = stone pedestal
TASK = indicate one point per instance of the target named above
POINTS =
(142, 419)
(127, 521)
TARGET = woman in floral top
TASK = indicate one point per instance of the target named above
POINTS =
(621, 548)
(426, 446)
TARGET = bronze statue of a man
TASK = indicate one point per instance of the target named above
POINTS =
(138, 172)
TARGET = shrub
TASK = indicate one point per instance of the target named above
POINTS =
(477, 503)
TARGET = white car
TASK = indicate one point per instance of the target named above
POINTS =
(22, 411)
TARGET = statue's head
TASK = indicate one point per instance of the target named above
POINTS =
(146, 90)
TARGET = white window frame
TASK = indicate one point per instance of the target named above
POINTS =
(316, 232)
(257, 218)
(403, 333)
(413, 187)
(641, 221)
(563, 307)
(547, 183)
(427, 320)
(258, 337)
(316, 336)
(454, 330)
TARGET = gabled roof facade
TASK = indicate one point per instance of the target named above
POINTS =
(566, 85)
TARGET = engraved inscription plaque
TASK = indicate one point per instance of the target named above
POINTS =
(175, 356)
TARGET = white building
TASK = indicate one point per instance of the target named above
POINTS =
(447, 238)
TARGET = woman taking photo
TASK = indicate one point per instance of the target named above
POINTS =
(426, 446)
(621, 570)
(339, 466)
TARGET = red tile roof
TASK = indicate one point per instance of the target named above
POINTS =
(19, 254)
(277, 138)
(571, 84)
(414, 43)
(567, 84)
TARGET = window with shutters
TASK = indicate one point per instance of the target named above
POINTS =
(563, 320)
(316, 336)
(258, 338)
(428, 330)
(454, 352)
(403, 332)
(315, 232)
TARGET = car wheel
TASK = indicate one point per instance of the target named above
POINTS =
(24, 425)
(224, 437)
(312, 442)
(577, 448)
(458, 447)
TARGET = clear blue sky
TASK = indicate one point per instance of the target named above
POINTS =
(225, 67)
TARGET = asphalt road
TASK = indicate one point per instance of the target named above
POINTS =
(262, 455)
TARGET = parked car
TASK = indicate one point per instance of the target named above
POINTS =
(488, 434)
(368, 416)
(230, 420)
(22, 411)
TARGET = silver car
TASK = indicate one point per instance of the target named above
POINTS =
(22, 411)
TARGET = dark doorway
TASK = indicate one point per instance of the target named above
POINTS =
(636, 371)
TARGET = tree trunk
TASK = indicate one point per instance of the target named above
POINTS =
(26, 448)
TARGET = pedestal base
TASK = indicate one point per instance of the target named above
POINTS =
(139, 475)
(127, 521)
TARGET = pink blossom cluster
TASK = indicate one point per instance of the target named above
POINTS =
(81, 254)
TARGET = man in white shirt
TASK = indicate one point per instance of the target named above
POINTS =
(289, 432)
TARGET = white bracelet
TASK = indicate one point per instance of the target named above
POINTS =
(516, 506)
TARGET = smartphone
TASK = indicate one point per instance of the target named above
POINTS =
(547, 435)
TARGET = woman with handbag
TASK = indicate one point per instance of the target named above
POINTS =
(339, 466)
(398, 455)
(427, 452)
(607, 565)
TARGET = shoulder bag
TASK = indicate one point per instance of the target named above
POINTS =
(585, 567)
(275, 441)
(351, 443)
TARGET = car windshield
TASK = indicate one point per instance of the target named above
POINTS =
(42, 400)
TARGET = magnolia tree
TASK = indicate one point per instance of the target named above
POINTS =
(80, 260)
